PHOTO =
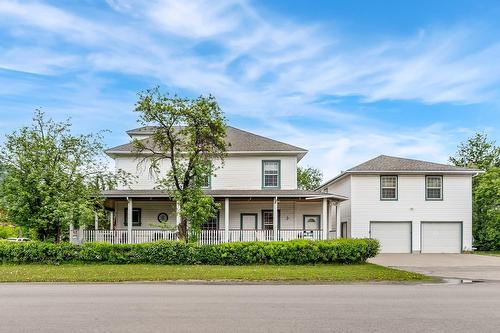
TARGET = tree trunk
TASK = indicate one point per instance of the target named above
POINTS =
(183, 232)
(58, 235)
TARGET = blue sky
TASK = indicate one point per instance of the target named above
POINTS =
(347, 80)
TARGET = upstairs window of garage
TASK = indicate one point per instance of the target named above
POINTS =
(271, 174)
(388, 187)
(434, 188)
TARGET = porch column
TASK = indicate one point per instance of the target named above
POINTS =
(324, 220)
(96, 221)
(177, 213)
(226, 220)
(337, 219)
(111, 220)
(129, 220)
(275, 219)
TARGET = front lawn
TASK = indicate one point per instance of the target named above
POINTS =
(488, 253)
(140, 272)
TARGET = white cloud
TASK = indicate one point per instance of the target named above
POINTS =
(264, 67)
(340, 149)
(36, 60)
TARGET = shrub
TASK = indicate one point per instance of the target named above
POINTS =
(342, 251)
(37, 252)
(7, 231)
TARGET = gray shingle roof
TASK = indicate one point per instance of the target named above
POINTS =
(391, 163)
(238, 140)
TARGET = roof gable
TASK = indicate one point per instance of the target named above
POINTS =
(386, 163)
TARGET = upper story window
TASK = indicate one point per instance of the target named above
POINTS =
(207, 182)
(271, 174)
(388, 187)
(433, 188)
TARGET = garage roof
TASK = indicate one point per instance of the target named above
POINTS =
(392, 164)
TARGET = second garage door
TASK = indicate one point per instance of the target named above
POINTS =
(394, 237)
(441, 237)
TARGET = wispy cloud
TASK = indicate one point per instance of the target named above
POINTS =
(259, 65)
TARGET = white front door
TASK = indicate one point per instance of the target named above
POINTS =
(441, 237)
(248, 221)
(394, 237)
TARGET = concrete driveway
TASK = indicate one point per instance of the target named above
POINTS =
(460, 266)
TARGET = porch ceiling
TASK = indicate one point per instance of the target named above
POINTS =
(229, 194)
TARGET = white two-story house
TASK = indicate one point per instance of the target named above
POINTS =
(408, 205)
(256, 188)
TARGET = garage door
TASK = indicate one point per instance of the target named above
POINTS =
(441, 237)
(394, 237)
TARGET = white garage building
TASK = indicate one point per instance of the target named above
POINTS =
(410, 206)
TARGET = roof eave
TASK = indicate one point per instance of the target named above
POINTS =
(300, 153)
(472, 172)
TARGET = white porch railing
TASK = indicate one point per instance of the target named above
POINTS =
(120, 236)
(211, 237)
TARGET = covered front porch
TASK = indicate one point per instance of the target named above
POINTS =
(263, 215)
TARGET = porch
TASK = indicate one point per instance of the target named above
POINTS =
(264, 215)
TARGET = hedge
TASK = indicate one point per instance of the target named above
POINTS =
(341, 251)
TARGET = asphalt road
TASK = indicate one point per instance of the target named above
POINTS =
(249, 308)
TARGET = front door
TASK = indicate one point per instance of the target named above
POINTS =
(248, 221)
(248, 227)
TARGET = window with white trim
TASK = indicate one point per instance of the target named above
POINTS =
(434, 188)
(206, 182)
(388, 187)
(271, 174)
(211, 224)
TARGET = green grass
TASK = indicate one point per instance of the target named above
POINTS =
(122, 273)
(488, 253)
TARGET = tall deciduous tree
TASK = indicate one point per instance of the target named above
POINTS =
(477, 152)
(51, 177)
(486, 215)
(482, 153)
(309, 178)
(190, 135)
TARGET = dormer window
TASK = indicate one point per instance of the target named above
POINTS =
(388, 187)
(434, 188)
(271, 174)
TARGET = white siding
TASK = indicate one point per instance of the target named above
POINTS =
(143, 179)
(291, 213)
(238, 172)
(149, 213)
(411, 205)
(343, 187)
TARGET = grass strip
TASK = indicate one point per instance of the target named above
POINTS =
(140, 272)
